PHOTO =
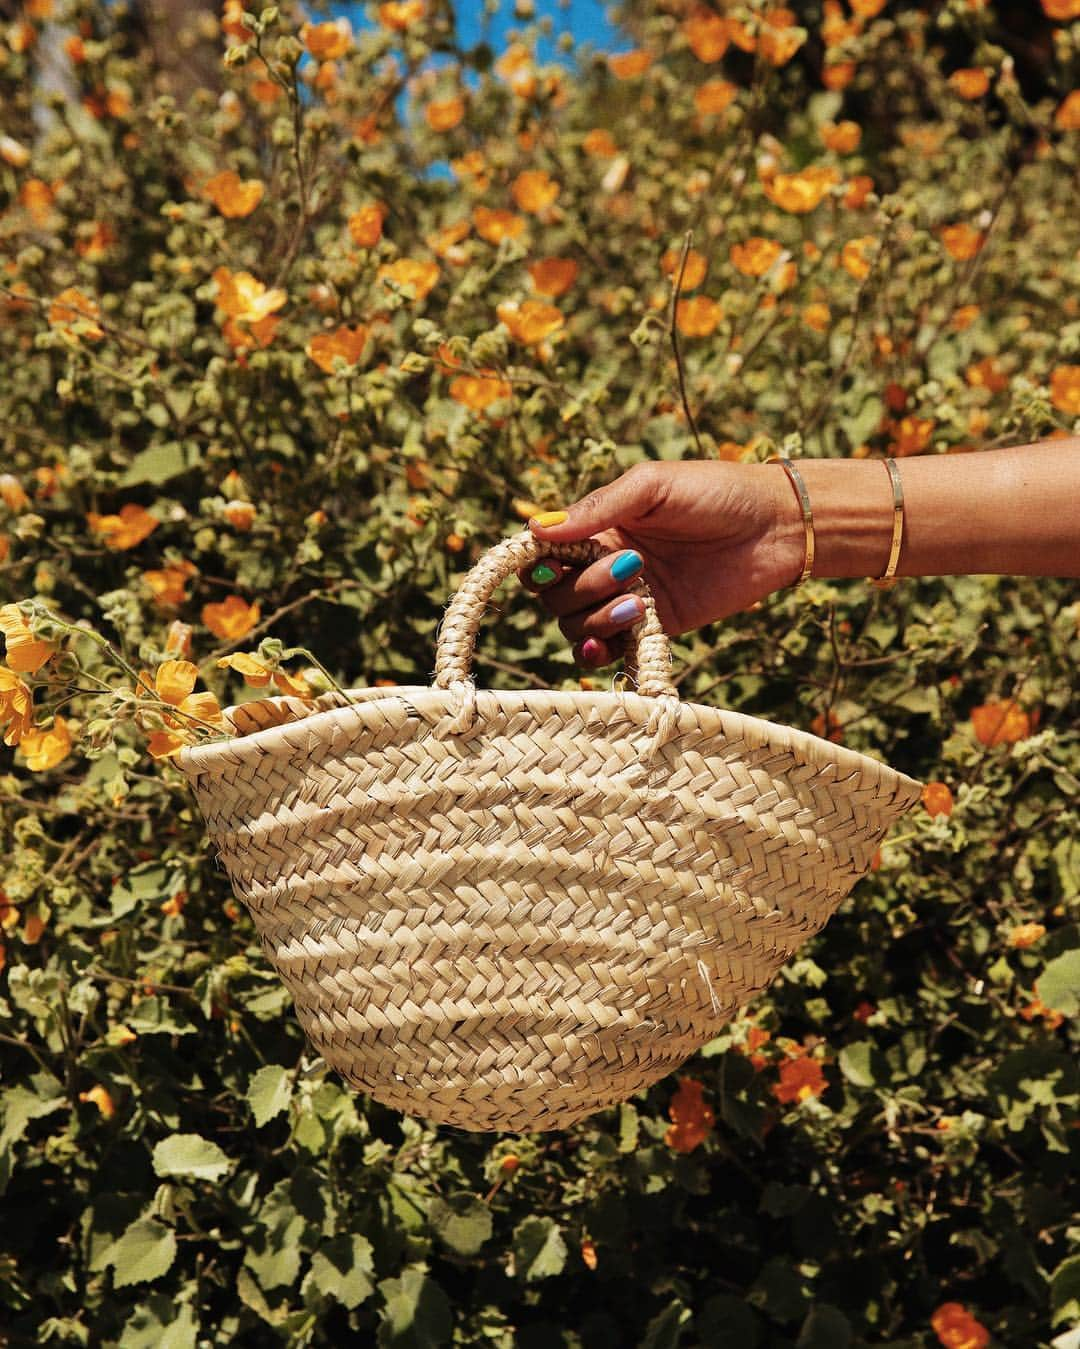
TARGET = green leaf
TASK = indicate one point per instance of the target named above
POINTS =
(157, 464)
(858, 1062)
(21, 1106)
(144, 1252)
(825, 1328)
(664, 1331)
(160, 1323)
(1059, 984)
(158, 1016)
(190, 1155)
(539, 1249)
(461, 1222)
(1065, 1290)
(269, 1093)
(417, 1314)
(342, 1269)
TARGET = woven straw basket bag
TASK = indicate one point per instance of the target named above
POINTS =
(508, 910)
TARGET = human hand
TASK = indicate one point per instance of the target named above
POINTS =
(709, 538)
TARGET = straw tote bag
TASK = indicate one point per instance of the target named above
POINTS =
(508, 910)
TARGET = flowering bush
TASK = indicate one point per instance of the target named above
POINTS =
(283, 356)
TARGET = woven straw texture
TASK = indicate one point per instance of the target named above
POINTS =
(508, 910)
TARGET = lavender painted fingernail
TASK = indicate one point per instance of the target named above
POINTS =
(626, 611)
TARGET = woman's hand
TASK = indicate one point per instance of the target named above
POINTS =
(709, 538)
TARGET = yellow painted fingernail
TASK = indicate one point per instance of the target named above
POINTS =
(548, 519)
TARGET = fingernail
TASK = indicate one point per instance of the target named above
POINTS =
(548, 519)
(591, 651)
(625, 610)
(541, 574)
(626, 565)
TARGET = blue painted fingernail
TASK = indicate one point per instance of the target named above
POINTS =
(626, 611)
(626, 565)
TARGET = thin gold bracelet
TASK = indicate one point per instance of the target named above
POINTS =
(804, 505)
(889, 578)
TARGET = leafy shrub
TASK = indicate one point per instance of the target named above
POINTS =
(282, 358)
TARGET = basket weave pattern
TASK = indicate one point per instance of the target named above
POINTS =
(509, 910)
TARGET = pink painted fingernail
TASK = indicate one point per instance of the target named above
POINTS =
(591, 650)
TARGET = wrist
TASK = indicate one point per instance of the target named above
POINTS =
(852, 503)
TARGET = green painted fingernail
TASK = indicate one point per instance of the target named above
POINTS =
(542, 574)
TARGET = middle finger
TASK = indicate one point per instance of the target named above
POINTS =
(592, 585)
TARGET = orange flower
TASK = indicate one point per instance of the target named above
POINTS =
(13, 152)
(741, 35)
(969, 83)
(36, 197)
(232, 197)
(828, 726)
(125, 530)
(803, 191)
(239, 514)
(841, 137)
(707, 35)
(100, 1097)
(26, 654)
(21, 37)
(72, 310)
(755, 256)
(964, 317)
(800, 1079)
(445, 242)
(956, 1328)
(867, 9)
(599, 144)
(516, 67)
(858, 189)
(242, 297)
(494, 226)
(421, 276)
(45, 749)
(553, 276)
(232, 618)
(531, 320)
(853, 257)
(1065, 389)
(938, 799)
(16, 707)
(168, 584)
(986, 374)
(691, 1118)
(911, 435)
(961, 241)
(588, 1253)
(998, 723)
(534, 190)
(817, 316)
(696, 267)
(257, 334)
(258, 675)
(178, 638)
(480, 390)
(96, 238)
(401, 14)
(838, 74)
(1067, 117)
(5, 547)
(629, 65)
(835, 29)
(34, 927)
(1052, 1019)
(346, 344)
(473, 167)
(366, 224)
(779, 38)
(1061, 11)
(714, 96)
(445, 114)
(75, 49)
(232, 21)
(698, 316)
(1027, 934)
(327, 41)
(174, 906)
(12, 494)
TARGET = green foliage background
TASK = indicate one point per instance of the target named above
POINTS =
(239, 1194)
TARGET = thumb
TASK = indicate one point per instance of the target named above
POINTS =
(620, 502)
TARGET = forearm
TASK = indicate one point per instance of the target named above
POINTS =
(1009, 512)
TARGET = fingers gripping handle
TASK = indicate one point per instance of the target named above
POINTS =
(648, 652)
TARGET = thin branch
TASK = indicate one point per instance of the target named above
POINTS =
(673, 333)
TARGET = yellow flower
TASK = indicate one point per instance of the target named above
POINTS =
(16, 707)
(244, 298)
(26, 653)
(531, 320)
(232, 197)
(125, 530)
(46, 748)
(243, 662)
(232, 618)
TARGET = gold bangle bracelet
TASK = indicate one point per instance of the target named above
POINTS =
(804, 505)
(889, 577)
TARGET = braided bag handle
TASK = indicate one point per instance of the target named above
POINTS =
(648, 653)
